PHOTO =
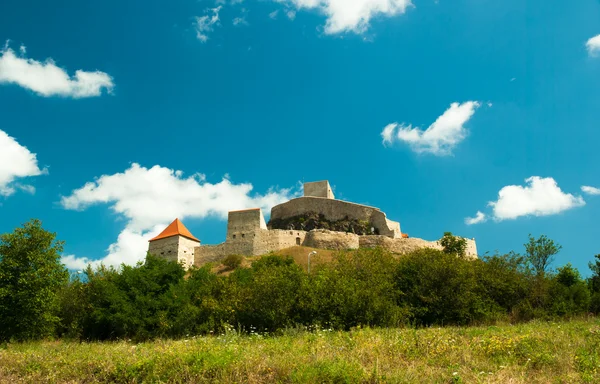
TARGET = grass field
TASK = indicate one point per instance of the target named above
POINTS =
(539, 352)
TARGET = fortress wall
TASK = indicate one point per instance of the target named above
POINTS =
(275, 240)
(403, 246)
(252, 244)
(210, 253)
(323, 239)
(337, 210)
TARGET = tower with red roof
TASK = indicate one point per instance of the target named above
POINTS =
(175, 243)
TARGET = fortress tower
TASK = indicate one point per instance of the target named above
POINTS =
(175, 243)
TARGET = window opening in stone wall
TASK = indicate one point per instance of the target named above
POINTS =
(234, 236)
(243, 235)
(297, 241)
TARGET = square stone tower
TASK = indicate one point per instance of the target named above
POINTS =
(175, 243)
(243, 224)
(318, 189)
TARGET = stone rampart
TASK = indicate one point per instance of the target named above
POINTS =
(324, 239)
(402, 246)
(335, 210)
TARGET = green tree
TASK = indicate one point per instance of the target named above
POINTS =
(454, 245)
(594, 280)
(31, 275)
(540, 253)
(594, 284)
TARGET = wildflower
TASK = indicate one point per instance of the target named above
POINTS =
(454, 373)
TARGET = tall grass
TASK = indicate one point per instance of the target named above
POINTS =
(536, 352)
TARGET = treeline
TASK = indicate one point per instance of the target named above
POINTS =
(358, 288)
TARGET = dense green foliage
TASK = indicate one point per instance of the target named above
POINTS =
(31, 276)
(367, 287)
(358, 288)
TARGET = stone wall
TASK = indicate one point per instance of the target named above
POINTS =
(175, 248)
(275, 240)
(337, 210)
(257, 243)
(323, 239)
(402, 246)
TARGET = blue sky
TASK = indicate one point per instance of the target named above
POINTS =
(476, 117)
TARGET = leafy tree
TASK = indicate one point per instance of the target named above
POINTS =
(594, 284)
(454, 245)
(440, 288)
(31, 276)
(568, 292)
(540, 253)
(594, 281)
(131, 302)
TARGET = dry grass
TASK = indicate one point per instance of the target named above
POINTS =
(538, 352)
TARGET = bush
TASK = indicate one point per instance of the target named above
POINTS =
(233, 261)
(31, 275)
(441, 288)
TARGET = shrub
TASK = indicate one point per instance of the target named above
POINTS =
(233, 261)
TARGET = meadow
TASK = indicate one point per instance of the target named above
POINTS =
(535, 352)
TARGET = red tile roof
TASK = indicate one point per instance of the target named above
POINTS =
(176, 228)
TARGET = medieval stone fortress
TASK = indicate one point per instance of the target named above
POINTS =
(315, 220)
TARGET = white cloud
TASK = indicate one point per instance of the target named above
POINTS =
(206, 23)
(150, 198)
(350, 15)
(441, 136)
(291, 14)
(16, 162)
(593, 46)
(47, 79)
(541, 197)
(240, 21)
(273, 15)
(388, 133)
(480, 217)
(590, 190)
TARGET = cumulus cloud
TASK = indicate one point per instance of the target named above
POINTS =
(150, 198)
(440, 137)
(480, 217)
(593, 46)
(16, 162)
(205, 24)
(350, 15)
(47, 79)
(590, 190)
(540, 197)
